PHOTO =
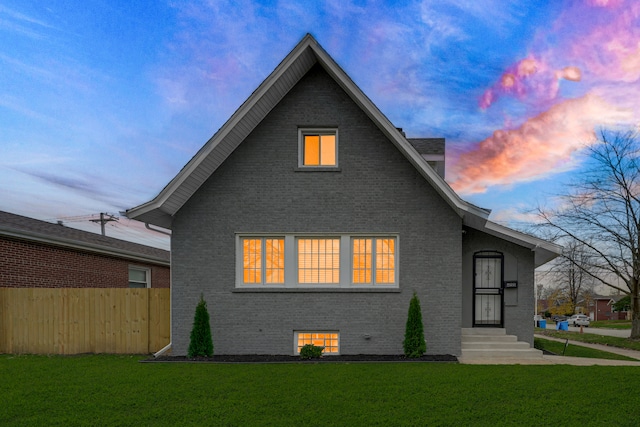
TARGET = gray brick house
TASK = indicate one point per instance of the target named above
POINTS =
(310, 218)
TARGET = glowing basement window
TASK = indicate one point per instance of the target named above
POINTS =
(374, 260)
(318, 148)
(319, 260)
(263, 269)
(329, 340)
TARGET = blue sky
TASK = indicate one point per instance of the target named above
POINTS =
(103, 102)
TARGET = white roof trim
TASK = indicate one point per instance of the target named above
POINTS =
(544, 251)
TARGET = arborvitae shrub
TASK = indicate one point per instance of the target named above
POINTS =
(201, 344)
(414, 343)
(310, 351)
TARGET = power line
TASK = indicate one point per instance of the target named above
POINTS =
(104, 218)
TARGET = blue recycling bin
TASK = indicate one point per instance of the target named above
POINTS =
(562, 326)
(542, 324)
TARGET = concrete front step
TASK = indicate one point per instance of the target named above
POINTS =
(525, 353)
(489, 338)
(494, 343)
(484, 331)
(512, 345)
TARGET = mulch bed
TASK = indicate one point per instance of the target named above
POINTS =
(296, 359)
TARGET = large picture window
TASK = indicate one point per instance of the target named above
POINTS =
(312, 261)
(319, 260)
(318, 148)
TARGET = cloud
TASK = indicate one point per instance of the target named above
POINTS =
(542, 146)
(596, 46)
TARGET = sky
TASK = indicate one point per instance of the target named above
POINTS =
(103, 102)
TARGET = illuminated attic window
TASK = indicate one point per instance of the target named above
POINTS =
(318, 148)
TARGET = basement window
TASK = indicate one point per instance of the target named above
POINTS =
(329, 340)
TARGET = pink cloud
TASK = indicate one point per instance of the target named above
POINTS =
(594, 43)
(529, 78)
(543, 145)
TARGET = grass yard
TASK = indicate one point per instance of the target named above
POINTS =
(576, 350)
(612, 324)
(118, 390)
(593, 338)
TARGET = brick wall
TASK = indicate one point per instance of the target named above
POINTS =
(258, 190)
(35, 265)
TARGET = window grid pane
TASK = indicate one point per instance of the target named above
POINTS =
(319, 260)
(274, 269)
(252, 254)
(362, 261)
(385, 260)
(328, 340)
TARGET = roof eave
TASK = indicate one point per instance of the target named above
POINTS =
(544, 251)
(75, 245)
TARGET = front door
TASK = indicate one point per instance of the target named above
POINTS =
(487, 289)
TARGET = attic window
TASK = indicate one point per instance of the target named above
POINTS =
(318, 148)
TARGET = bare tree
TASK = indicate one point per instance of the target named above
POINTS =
(601, 211)
(568, 272)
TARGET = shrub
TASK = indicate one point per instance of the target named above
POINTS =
(310, 351)
(414, 343)
(201, 344)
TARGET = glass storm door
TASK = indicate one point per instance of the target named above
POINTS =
(487, 289)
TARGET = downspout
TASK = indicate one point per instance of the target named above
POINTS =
(168, 346)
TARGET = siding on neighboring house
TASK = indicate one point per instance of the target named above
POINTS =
(37, 254)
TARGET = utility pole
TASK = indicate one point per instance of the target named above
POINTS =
(104, 218)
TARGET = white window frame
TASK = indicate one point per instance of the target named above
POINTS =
(263, 261)
(291, 261)
(374, 274)
(316, 131)
(147, 275)
(296, 334)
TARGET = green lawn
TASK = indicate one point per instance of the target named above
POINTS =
(592, 338)
(117, 390)
(612, 324)
(576, 350)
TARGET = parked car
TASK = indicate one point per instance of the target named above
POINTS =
(579, 320)
(558, 318)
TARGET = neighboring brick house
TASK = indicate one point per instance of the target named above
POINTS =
(310, 218)
(39, 254)
(601, 308)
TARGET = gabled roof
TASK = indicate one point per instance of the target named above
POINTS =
(28, 229)
(295, 65)
(305, 55)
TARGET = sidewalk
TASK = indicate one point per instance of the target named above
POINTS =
(583, 361)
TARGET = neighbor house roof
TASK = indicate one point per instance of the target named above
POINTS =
(306, 54)
(33, 230)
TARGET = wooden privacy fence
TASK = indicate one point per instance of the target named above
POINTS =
(84, 320)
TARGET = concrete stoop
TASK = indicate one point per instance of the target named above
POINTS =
(493, 344)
